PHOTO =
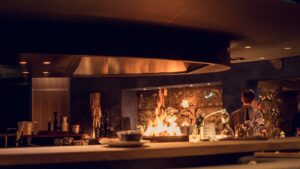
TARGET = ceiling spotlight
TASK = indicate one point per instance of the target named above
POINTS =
(46, 63)
(25, 72)
(191, 85)
(287, 48)
(45, 72)
(261, 58)
(208, 84)
(144, 89)
(23, 62)
(248, 47)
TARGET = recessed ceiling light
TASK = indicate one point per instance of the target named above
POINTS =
(25, 72)
(287, 48)
(261, 58)
(23, 62)
(248, 47)
(45, 72)
(46, 63)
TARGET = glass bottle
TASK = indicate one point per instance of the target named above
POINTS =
(50, 125)
(64, 124)
(97, 130)
(108, 123)
(103, 127)
(56, 126)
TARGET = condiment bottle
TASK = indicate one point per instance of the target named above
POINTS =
(56, 126)
(64, 124)
(50, 125)
(97, 130)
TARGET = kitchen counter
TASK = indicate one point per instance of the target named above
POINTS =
(100, 153)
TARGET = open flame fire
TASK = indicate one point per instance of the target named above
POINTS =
(164, 123)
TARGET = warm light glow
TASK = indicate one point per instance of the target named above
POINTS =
(45, 72)
(185, 103)
(248, 47)
(23, 62)
(164, 123)
(25, 72)
(211, 94)
(287, 48)
(46, 63)
(185, 123)
(261, 58)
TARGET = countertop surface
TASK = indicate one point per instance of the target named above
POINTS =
(96, 153)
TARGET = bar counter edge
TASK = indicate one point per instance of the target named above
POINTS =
(103, 153)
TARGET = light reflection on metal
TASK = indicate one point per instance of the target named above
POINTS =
(97, 66)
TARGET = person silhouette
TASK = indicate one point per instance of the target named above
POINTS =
(248, 115)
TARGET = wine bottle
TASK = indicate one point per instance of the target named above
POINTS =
(97, 130)
(56, 126)
(50, 125)
(103, 127)
(108, 123)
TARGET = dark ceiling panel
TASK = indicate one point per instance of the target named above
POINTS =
(114, 38)
(267, 25)
(60, 65)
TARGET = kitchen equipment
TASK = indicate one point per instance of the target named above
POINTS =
(58, 142)
(35, 127)
(25, 128)
(68, 140)
(75, 128)
(129, 135)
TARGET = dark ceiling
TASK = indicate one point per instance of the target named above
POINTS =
(268, 26)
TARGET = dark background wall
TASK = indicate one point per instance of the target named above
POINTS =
(15, 102)
(16, 92)
(234, 81)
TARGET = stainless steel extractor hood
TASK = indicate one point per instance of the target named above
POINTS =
(111, 47)
(125, 66)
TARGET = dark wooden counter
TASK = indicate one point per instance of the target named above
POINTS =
(45, 134)
(98, 153)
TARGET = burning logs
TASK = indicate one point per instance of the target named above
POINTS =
(164, 123)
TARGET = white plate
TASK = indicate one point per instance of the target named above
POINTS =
(125, 144)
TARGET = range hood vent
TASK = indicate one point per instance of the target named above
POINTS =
(125, 66)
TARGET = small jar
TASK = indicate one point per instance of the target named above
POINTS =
(75, 128)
